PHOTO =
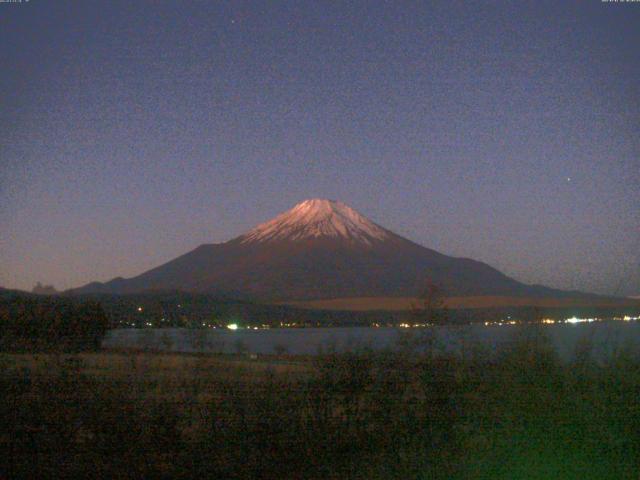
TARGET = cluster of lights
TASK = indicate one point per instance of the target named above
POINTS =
(626, 318)
(581, 320)
(231, 326)
(508, 321)
(502, 322)
(571, 320)
(235, 326)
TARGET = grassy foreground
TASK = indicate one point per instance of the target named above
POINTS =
(519, 414)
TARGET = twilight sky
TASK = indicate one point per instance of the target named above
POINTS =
(131, 132)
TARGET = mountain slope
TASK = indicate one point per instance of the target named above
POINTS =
(317, 250)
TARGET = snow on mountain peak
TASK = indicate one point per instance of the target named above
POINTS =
(317, 218)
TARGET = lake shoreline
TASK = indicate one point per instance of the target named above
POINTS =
(605, 337)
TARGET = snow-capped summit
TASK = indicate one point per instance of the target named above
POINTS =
(318, 218)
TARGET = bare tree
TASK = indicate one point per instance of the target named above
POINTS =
(430, 308)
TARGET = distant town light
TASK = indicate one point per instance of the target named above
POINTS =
(580, 320)
(139, 309)
(232, 326)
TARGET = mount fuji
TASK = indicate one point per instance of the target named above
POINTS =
(320, 249)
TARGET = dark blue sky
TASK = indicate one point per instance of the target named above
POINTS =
(503, 131)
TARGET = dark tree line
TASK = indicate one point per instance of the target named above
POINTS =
(48, 323)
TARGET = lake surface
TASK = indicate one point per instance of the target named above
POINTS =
(605, 336)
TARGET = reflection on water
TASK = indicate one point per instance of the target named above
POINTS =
(604, 336)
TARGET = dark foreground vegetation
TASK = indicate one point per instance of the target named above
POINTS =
(36, 323)
(515, 414)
